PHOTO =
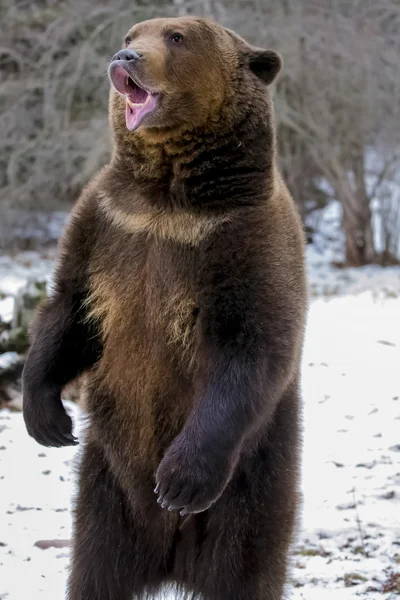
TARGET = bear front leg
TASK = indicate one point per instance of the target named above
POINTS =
(64, 345)
(200, 461)
(248, 352)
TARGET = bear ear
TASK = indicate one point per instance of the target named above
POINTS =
(266, 64)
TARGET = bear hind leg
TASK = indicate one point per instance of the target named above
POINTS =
(109, 560)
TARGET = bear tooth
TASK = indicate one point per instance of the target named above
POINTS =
(133, 104)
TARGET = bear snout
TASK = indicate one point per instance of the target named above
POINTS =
(127, 55)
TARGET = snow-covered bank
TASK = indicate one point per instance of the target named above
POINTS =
(350, 538)
(36, 486)
(349, 544)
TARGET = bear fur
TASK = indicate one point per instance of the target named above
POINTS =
(180, 296)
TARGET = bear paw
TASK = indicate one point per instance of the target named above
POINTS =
(46, 418)
(190, 480)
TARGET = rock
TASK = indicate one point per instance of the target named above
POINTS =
(45, 544)
(346, 506)
(366, 465)
(351, 579)
(388, 495)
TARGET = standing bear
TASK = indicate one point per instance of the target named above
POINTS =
(180, 295)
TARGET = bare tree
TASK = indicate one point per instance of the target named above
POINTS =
(53, 97)
(337, 101)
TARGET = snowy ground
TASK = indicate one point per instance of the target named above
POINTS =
(349, 543)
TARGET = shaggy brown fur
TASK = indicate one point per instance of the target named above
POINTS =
(180, 292)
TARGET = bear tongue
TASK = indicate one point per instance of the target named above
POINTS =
(135, 111)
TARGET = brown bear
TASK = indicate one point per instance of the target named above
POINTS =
(180, 294)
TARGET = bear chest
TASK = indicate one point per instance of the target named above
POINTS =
(144, 296)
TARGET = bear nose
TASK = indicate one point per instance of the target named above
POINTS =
(127, 55)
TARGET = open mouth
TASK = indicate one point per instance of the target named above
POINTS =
(139, 102)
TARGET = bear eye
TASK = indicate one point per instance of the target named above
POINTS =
(177, 38)
(128, 41)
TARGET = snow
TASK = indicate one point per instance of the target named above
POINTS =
(348, 543)
(351, 475)
(36, 485)
(17, 270)
(6, 309)
(7, 359)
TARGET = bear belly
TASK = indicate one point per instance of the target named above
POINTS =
(139, 393)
